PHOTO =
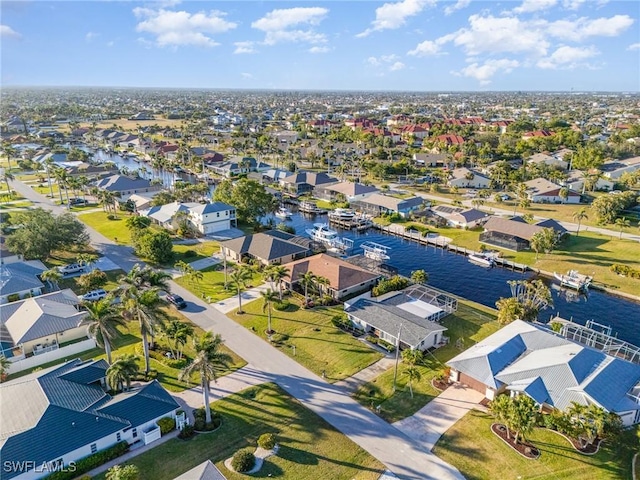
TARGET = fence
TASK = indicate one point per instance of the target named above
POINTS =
(46, 357)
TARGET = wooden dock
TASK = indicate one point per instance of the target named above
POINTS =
(358, 224)
(439, 242)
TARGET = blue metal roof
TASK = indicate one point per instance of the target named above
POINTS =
(610, 386)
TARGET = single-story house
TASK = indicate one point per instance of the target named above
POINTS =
(549, 160)
(39, 324)
(541, 190)
(238, 165)
(344, 191)
(514, 234)
(378, 203)
(614, 170)
(7, 256)
(461, 217)
(466, 178)
(126, 185)
(304, 182)
(344, 277)
(431, 159)
(205, 471)
(266, 247)
(54, 417)
(141, 201)
(21, 279)
(206, 218)
(92, 171)
(576, 181)
(527, 359)
(412, 314)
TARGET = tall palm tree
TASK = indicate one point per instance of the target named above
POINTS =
(122, 371)
(6, 176)
(622, 223)
(86, 259)
(145, 277)
(279, 273)
(144, 307)
(208, 362)
(52, 277)
(49, 166)
(307, 279)
(412, 374)
(268, 297)
(62, 177)
(9, 152)
(579, 216)
(239, 277)
(103, 319)
(179, 332)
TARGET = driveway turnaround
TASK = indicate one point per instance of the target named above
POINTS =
(429, 423)
(402, 455)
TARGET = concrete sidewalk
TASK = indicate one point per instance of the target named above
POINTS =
(429, 423)
(229, 304)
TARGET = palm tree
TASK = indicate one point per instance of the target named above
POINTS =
(49, 165)
(322, 283)
(6, 176)
(179, 332)
(122, 371)
(622, 223)
(145, 277)
(62, 177)
(500, 408)
(208, 362)
(103, 319)
(307, 279)
(523, 416)
(268, 297)
(419, 276)
(239, 277)
(579, 216)
(86, 259)
(5, 364)
(279, 273)
(181, 265)
(196, 276)
(537, 242)
(52, 277)
(412, 357)
(564, 194)
(509, 309)
(145, 307)
(412, 374)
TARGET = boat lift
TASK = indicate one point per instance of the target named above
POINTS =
(375, 251)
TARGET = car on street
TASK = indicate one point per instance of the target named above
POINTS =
(93, 295)
(177, 301)
(77, 201)
(71, 268)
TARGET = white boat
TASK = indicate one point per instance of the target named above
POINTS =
(482, 260)
(310, 207)
(342, 214)
(322, 233)
(375, 251)
(573, 279)
(283, 213)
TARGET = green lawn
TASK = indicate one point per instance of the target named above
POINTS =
(471, 447)
(112, 229)
(21, 204)
(44, 189)
(130, 342)
(112, 282)
(201, 249)
(471, 323)
(211, 287)
(319, 346)
(309, 446)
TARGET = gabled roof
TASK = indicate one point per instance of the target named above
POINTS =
(204, 471)
(310, 178)
(392, 203)
(390, 318)
(351, 189)
(120, 183)
(511, 227)
(341, 274)
(18, 277)
(140, 406)
(263, 246)
(204, 208)
(542, 186)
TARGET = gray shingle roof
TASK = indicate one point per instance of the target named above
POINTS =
(18, 277)
(120, 183)
(204, 471)
(263, 246)
(389, 318)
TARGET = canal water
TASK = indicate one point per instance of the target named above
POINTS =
(454, 273)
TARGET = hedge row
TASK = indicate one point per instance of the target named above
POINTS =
(92, 461)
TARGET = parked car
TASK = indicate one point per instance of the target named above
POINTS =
(77, 201)
(93, 295)
(71, 268)
(177, 301)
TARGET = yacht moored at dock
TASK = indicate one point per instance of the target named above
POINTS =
(342, 214)
(283, 213)
(482, 260)
(322, 233)
(310, 207)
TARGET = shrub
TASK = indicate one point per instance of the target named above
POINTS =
(92, 461)
(625, 270)
(243, 461)
(92, 280)
(177, 364)
(390, 285)
(166, 425)
(14, 297)
(279, 338)
(111, 216)
(282, 306)
(190, 254)
(341, 321)
(267, 441)
(187, 431)
(199, 422)
(389, 347)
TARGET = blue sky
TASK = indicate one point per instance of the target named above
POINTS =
(422, 45)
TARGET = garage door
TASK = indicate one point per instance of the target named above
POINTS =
(473, 383)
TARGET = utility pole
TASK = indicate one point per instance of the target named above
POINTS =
(224, 260)
(395, 372)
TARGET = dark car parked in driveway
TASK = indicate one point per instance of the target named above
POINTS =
(177, 301)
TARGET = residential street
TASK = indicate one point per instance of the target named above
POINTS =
(404, 456)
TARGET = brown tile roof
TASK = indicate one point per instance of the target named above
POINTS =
(341, 274)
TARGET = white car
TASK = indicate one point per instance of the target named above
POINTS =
(71, 268)
(93, 295)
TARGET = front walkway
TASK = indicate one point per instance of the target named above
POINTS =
(229, 304)
(429, 423)
(365, 375)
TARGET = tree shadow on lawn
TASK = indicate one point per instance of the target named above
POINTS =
(268, 470)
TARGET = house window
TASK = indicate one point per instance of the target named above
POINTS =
(94, 448)
(218, 214)
(118, 437)
(134, 434)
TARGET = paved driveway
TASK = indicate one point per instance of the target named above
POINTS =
(436, 417)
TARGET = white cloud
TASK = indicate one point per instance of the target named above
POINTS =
(634, 46)
(483, 73)
(425, 49)
(396, 66)
(244, 47)
(391, 62)
(573, 4)
(394, 15)
(179, 28)
(319, 49)
(278, 24)
(246, 75)
(568, 57)
(90, 36)
(459, 5)
(7, 32)
(583, 28)
(529, 6)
